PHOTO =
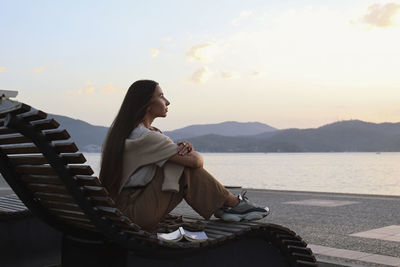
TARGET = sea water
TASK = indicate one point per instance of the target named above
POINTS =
(361, 173)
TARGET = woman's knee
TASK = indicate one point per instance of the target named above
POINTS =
(199, 175)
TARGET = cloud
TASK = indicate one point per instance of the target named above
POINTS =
(154, 52)
(382, 16)
(88, 89)
(230, 74)
(201, 75)
(38, 69)
(202, 52)
(2, 69)
(243, 15)
(109, 89)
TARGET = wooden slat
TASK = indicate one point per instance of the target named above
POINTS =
(34, 116)
(48, 170)
(47, 188)
(40, 159)
(225, 229)
(213, 236)
(190, 244)
(45, 124)
(32, 169)
(4, 208)
(42, 179)
(73, 214)
(90, 191)
(87, 180)
(102, 201)
(83, 225)
(21, 109)
(294, 243)
(54, 135)
(96, 191)
(31, 159)
(126, 226)
(109, 211)
(74, 219)
(168, 244)
(81, 169)
(20, 149)
(223, 233)
(7, 207)
(120, 220)
(11, 205)
(141, 234)
(129, 225)
(231, 225)
(254, 225)
(73, 158)
(304, 257)
(66, 198)
(12, 202)
(61, 205)
(68, 147)
(6, 130)
(13, 197)
(302, 250)
(287, 237)
(14, 139)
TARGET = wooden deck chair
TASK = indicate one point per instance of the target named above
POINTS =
(44, 168)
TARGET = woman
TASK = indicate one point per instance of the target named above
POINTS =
(148, 175)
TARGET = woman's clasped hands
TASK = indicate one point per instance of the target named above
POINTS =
(184, 148)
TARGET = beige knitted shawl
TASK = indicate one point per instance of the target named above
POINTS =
(149, 148)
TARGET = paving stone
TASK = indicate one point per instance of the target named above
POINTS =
(388, 233)
(344, 253)
(321, 202)
(381, 259)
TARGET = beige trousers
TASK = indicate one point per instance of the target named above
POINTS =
(147, 207)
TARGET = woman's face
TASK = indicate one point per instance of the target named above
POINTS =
(158, 106)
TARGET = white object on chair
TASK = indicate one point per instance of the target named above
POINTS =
(8, 93)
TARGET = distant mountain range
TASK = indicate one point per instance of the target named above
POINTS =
(228, 128)
(343, 136)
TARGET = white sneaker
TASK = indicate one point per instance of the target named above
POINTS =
(244, 210)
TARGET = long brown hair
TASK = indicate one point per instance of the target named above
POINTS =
(130, 115)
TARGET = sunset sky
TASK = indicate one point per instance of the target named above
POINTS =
(288, 64)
